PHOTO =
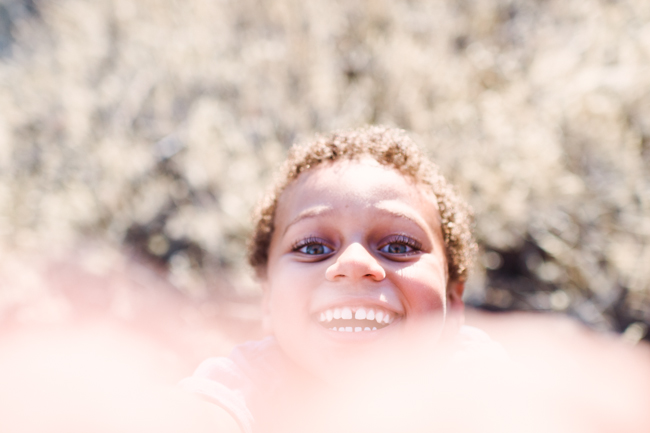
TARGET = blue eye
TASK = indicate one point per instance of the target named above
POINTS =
(315, 249)
(400, 245)
(312, 247)
(395, 248)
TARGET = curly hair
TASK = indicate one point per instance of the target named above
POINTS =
(390, 147)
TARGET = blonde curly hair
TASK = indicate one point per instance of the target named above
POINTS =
(390, 147)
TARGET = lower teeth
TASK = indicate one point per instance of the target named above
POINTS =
(350, 329)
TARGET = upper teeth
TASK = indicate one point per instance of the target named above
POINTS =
(381, 317)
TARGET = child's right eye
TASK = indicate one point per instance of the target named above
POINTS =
(315, 249)
(312, 247)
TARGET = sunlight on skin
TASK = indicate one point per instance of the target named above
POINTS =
(352, 211)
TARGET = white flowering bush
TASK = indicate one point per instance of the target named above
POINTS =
(154, 125)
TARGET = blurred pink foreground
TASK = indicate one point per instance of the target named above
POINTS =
(106, 375)
(562, 379)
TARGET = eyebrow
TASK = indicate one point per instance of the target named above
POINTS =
(391, 207)
(400, 210)
(311, 212)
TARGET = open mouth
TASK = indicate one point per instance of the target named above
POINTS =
(355, 319)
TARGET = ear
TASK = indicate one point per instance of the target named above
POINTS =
(455, 291)
(266, 308)
(455, 305)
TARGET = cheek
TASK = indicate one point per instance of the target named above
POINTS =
(287, 293)
(423, 286)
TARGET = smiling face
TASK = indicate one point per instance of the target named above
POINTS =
(356, 265)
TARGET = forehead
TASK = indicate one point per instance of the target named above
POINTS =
(357, 185)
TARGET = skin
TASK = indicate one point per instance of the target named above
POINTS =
(356, 233)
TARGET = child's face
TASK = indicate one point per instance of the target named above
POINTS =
(356, 264)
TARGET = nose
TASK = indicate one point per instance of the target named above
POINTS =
(355, 262)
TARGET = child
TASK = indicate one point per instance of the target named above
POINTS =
(362, 249)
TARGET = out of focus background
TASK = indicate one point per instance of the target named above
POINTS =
(136, 136)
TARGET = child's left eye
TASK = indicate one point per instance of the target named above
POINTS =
(400, 245)
(395, 248)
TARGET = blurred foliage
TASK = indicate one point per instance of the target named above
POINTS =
(155, 124)
(12, 11)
